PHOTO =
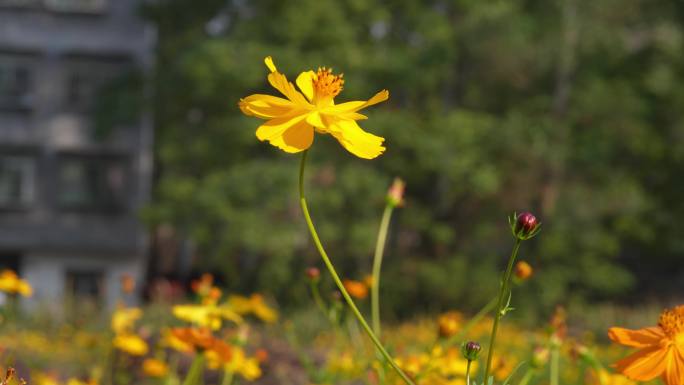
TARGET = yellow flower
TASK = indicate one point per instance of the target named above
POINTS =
(604, 377)
(246, 367)
(662, 349)
(449, 323)
(253, 304)
(291, 122)
(44, 379)
(523, 270)
(131, 344)
(123, 319)
(11, 283)
(153, 367)
(208, 315)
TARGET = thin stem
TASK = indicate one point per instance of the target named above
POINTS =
(554, 367)
(196, 373)
(468, 372)
(497, 316)
(318, 300)
(527, 377)
(338, 281)
(227, 377)
(377, 265)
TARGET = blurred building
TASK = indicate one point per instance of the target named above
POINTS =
(75, 148)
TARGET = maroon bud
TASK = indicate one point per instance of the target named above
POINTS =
(524, 225)
(313, 273)
(471, 350)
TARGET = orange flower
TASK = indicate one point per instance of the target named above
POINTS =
(523, 270)
(356, 289)
(661, 349)
(449, 323)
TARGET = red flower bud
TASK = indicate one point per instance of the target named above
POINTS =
(524, 225)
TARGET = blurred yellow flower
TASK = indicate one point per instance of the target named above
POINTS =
(523, 270)
(131, 344)
(246, 367)
(124, 318)
(662, 349)
(208, 315)
(291, 122)
(604, 377)
(253, 304)
(153, 367)
(10, 283)
(449, 323)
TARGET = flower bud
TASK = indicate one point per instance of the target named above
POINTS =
(540, 356)
(524, 226)
(313, 273)
(395, 194)
(523, 270)
(470, 350)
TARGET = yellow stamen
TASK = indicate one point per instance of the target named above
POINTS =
(672, 321)
(326, 84)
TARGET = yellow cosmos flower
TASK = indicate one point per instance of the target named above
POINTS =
(11, 283)
(131, 344)
(124, 318)
(153, 367)
(208, 315)
(238, 363)
(291, 121)
(661, 349)
(253, 304)
(604, 377)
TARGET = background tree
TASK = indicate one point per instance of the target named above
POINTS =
(569, 109)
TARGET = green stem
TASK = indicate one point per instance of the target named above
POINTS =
(338, 281)
(196, 373)
(315, 293)
(497, 316)
(377, 265)
(554, 367)
(527, 377)
(227, 377)
(468, 372)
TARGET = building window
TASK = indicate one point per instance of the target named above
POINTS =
(85, 284)
(87, 77)
(92, 182)
(76, 6)
(15, 83)
(17, 181)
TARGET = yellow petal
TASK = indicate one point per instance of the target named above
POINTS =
(674, 369)
(269, 63)
(356, 140)
(636, 338)
(357, 105)
(266, 106)
(295, 139)
(644, 365)
(314, 119)
(280, 83)
(305, 83)
(290, 134)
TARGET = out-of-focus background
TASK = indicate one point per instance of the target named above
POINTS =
(123, 151)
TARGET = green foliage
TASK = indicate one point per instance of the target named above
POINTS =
(568, 109)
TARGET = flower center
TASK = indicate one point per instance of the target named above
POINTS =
(327, 85)
(672, 321)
